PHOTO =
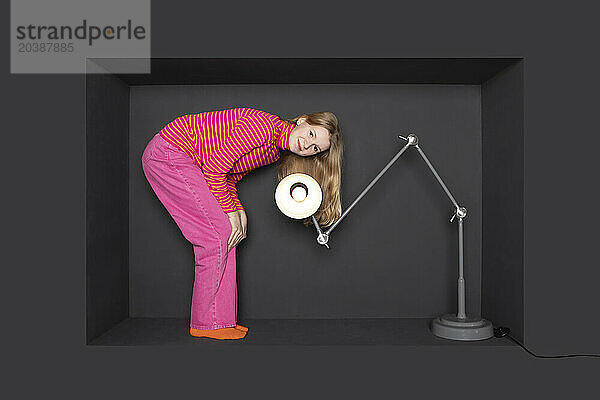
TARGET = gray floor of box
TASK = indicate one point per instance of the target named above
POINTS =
(361, 331)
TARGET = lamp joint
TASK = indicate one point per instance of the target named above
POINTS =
(412, 139)
(460, 212)
(322, 239)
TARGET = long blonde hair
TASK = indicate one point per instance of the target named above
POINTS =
(325, 167)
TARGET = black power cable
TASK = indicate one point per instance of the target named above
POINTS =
(501, 331)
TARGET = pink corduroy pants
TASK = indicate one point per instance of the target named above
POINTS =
(180, 186)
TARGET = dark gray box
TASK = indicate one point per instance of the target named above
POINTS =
(392, 262)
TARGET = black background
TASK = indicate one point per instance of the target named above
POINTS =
(43, 173)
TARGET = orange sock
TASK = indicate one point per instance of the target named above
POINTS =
(223, 333)
(241, 328)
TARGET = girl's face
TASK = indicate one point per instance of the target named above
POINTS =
(307, 140)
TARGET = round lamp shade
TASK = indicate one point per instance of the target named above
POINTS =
(298, 196)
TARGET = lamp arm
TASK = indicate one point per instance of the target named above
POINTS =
(437, 176)
(411, 140)
(369, 186)
(323, 237)
(460, 212)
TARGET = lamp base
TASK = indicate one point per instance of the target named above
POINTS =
(449, 326)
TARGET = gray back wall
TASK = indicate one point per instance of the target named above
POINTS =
(395, 255)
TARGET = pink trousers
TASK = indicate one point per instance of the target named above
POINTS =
(180, 186)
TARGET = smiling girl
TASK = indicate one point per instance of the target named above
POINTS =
(193, 164)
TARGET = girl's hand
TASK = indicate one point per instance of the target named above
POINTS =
(236, 230)
(244, 220)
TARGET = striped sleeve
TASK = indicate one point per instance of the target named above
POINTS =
(232, 179)
(249, 132)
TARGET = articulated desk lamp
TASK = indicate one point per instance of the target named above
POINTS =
(299, 196)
